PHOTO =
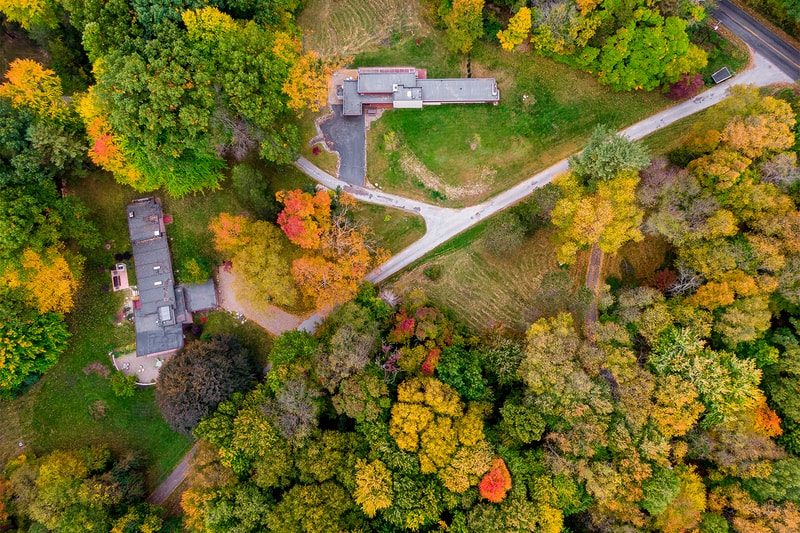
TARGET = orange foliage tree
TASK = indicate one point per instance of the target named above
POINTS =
(34, 87)
(304, 217)
(105, 149)
(496, 483)
(340, 253)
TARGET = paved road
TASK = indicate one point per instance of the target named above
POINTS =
(174, 479)
(778, 52)
(442, 224)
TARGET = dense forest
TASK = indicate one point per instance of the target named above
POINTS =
(677, 409)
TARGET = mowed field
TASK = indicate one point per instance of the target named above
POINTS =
(459, 155)
(348, 27)
(483, 290)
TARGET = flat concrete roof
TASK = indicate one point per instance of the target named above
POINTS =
(384, 79)
(200, 297)
(455, 90)
(406, 87)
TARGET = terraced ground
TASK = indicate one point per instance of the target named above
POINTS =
(347, 27)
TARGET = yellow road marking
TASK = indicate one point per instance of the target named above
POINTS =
(754, 34)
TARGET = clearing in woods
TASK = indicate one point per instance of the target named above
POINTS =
(483, 290)
(348, 27)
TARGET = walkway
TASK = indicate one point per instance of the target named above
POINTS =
(445, 223)
(174, 479)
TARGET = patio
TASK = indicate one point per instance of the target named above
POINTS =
(144, 368)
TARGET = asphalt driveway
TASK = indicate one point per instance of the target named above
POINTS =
(346, 136)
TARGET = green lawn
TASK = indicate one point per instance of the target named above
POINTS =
(55, 413)
(393, 229)
(257, 340)
(483, 290)
(463, 154)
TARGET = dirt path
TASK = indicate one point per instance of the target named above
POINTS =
(592, 279)
(271, 318)
(174, 479)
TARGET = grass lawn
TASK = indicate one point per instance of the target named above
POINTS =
(73, 406)
(393, 229)
(252, 336)
(461, 155)
(316, 153)
(483, 290)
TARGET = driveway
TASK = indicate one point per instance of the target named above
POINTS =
(346, 137)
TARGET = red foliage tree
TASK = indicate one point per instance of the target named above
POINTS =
(688, 86)
(431, 361)
(304, 217)
(496, 483)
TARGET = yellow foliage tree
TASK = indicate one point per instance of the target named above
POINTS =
(429, 419)
(373, 487)
(307, 84)
(608, 217)
(49, 281)
(684, 512)
(768, 131)
(518, 28)
(31, 86)
(30, 12)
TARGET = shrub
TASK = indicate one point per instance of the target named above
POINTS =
(122, 385)
(687, 87)
(433, 272)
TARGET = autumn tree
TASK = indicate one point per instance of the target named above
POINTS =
(341, 253)
(193, 382)
(79, 490)
(34, 87)
(261, 259)
(464, 24)
(373, 487)
(496, 483)
(31, 13)
(517, 31)
(608, 217)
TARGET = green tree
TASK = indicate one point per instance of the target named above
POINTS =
(464, 24)
(607, 154)
(31, 344)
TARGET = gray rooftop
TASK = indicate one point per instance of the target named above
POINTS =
(158, 318)
(200, 297)
(405, 87)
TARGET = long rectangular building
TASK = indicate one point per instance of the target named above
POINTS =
(160, 311)
(410, 88)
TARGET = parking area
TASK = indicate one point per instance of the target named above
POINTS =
(346, 137)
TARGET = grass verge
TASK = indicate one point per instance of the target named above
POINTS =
(394, 229)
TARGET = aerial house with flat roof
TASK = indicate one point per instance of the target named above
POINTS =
(410, 88)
